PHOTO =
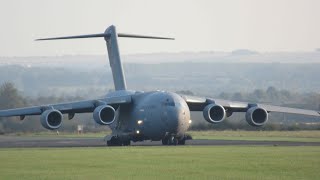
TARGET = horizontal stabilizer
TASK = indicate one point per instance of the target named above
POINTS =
(76, 37)
(105, 35)
(140, 36)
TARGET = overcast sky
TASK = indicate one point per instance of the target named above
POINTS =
(198, 25)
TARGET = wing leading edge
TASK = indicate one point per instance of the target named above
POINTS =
(199, 103)
(64, 108)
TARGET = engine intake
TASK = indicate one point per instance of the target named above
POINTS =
(256, 116)
(214, 113)
(104, 115)
(51, 119)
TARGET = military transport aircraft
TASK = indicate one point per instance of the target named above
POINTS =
(138, 116)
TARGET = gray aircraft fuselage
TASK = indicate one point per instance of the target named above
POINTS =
(152, 116)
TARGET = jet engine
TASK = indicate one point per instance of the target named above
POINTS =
(104, 115)
(256, 116)
(51, 119)
(214, 113)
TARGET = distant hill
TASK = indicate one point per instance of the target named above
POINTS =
(208, 73)
(199, 77)
(243, 52)
(236, 56)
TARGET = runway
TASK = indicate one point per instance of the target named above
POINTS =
(29, 142)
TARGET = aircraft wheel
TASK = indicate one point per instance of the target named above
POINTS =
(165, 141)
(173, 141)
(126, 143)
(182, 142)
(114, 142)
(110, 143)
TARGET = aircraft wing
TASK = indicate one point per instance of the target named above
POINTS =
(199, 103)
(69, 107)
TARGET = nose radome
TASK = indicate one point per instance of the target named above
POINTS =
(178, 118)
(183, 115)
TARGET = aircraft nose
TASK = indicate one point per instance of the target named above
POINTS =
(180, 117)
(173, 120)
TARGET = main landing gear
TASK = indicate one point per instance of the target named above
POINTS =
(172, 140)
(115, 141)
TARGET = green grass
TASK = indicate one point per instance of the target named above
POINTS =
(180, 162)
(298, 136)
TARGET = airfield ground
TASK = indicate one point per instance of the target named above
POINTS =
(298, 136)
(212, 155)
(162, 162)
(274, 138)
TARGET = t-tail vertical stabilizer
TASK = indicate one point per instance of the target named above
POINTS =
(114, 59)
(110, 35)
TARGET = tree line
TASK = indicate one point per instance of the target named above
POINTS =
(11, 97)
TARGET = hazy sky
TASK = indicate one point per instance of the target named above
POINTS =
(198, 25)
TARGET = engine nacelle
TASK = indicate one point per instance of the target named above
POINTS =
(104, 115)
(256, 116)
(51, 119)
(214, 113)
